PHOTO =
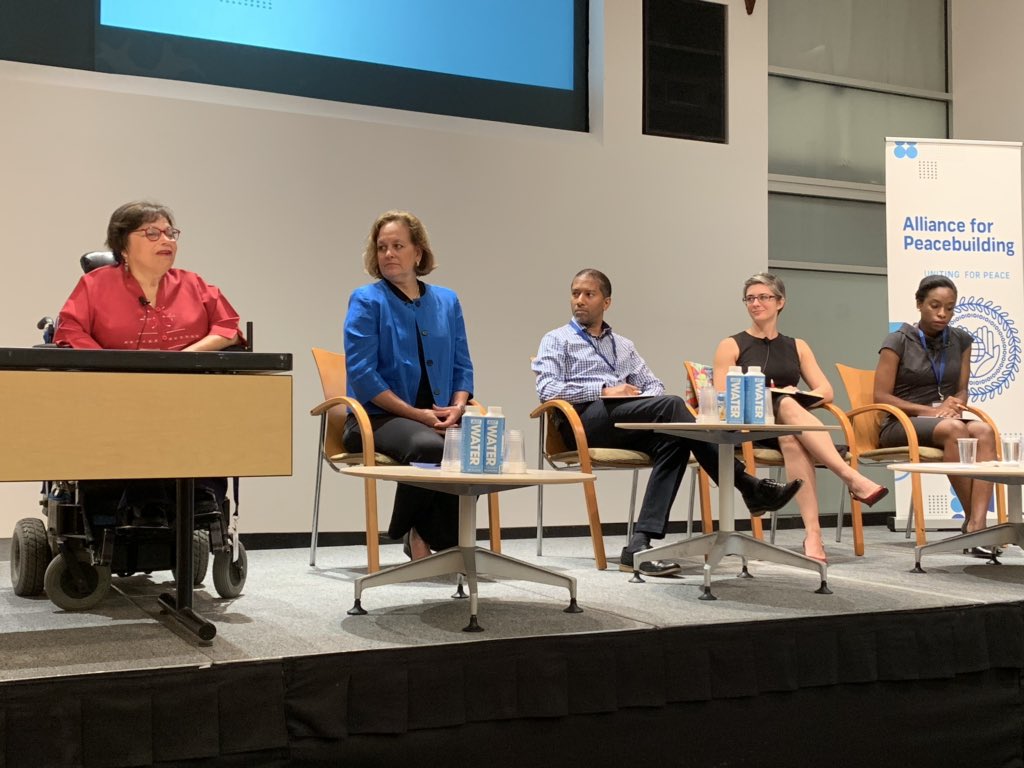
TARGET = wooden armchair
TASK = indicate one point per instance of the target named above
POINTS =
(559, 456)
(754, 457)
(333, 412)
(866, 418)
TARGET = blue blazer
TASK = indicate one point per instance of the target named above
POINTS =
(381, 351)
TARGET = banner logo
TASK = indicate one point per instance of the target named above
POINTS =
(905, 149)
(995, 352)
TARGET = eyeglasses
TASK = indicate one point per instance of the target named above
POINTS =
(764, 298)
(153, 233)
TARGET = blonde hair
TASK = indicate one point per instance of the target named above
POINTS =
(418, 234)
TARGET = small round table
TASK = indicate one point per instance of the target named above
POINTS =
(467, 557)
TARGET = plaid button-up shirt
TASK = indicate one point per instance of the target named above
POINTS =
(576, 367)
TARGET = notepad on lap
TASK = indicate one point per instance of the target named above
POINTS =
(806, 399)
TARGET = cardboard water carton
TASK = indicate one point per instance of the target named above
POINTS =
(753, 396)
(734, 391)
(474, 424)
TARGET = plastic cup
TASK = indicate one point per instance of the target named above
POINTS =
(515, 453)
(1011, 450)
(968, 449)
(707, 406)
(451, 459)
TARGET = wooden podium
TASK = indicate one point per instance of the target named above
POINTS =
(104, 425)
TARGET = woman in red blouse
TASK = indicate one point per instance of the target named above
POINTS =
(143, 302)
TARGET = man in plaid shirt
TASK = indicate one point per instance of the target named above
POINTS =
(601, 374)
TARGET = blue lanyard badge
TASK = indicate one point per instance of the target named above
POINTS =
(615, 353)
(938, 370)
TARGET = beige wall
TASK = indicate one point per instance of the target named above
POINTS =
(274, 195)
(987, 60)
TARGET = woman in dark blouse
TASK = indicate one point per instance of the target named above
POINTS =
(923, 370)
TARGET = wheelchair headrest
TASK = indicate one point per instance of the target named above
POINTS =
(93, 259)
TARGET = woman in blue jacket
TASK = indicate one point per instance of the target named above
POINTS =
(407, 361)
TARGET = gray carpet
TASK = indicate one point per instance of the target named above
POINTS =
(290, 609)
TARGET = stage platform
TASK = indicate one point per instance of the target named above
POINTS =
(893, 668)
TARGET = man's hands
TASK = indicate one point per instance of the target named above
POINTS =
(620, 390)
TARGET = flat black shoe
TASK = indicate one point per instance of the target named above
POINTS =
(983, 551)
(769, 495)
(654, 568)
(650, 568)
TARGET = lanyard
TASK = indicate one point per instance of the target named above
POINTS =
(615, 353)
(940, 369)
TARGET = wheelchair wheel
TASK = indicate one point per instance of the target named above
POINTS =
(65, 593)
(30, 554)
(228, 576)
(200, 558)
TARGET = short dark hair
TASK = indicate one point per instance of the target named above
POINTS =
(930, 282)
(601, 277)
(130, 217)
(774, 282)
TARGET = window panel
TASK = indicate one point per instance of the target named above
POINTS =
(825, 230)
(897, 42)
(832, 132)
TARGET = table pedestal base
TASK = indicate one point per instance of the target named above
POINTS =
(179, 605)
(1006, 533)
(715, 546)
(470, 560)
(995, 536)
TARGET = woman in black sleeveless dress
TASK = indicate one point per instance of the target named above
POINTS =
(784, 361)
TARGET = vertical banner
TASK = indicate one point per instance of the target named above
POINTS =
(953, 208)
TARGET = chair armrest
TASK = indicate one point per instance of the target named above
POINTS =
(569, 414)
(844, 422)
(982, 416)
(1001, 492)
(362, 421)
(901, 417)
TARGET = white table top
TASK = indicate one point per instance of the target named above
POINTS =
(419, 474)
(984, 470)
(722, 433)
(686, 426)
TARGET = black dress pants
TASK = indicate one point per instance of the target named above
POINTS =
(670, 454)
(434, 515)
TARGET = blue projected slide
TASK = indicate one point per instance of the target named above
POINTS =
(529, 42)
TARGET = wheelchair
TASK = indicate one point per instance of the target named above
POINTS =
(97, 528)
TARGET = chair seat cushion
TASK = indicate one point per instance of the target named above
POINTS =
(765, 456)
(900, 453)
(356, 459)
(617, 457)
(769, 457)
